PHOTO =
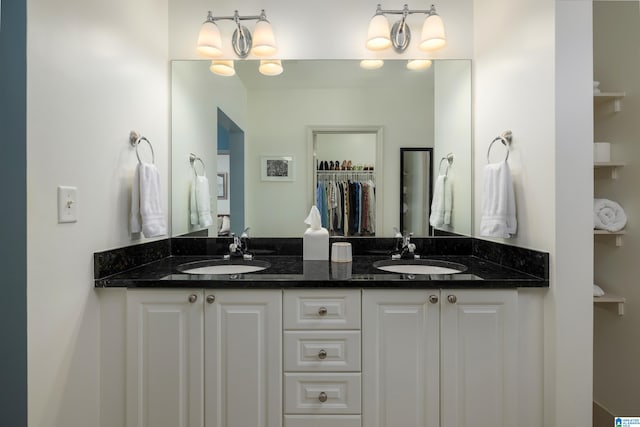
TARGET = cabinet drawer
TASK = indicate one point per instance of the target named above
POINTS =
(322, 309)
(322, 421)
(322, 351)
(316, 393)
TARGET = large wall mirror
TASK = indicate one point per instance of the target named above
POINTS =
(255, 136)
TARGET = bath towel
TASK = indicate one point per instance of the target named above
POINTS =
(597, 291)
(608, 215)
(200, 202)
(498, 202)
(146, 202)
(441, 203)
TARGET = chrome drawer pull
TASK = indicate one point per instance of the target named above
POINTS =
(322, 354)
(193, 298)
(322, 311)
(322, 397)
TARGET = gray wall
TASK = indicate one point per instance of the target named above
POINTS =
(13, 228)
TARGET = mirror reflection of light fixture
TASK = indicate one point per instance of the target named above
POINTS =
(270, 67)
(261, 44)
(418, 64)
(371, 64)
(222, 68)
(379, 37)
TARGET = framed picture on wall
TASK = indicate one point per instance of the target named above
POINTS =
(222, 186)
(277, 168)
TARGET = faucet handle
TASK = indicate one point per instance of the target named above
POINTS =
(397, 232)
(245, 234)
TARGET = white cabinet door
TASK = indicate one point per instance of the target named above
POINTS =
(164, 358)
(243, 358)
(400, 352)
(479, 340)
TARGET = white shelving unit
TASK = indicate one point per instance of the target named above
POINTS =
(613, 166)
(615, 97)
(611, 299)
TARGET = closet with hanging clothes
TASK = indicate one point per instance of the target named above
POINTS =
(347, 202)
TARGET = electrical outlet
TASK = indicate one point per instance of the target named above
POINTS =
(67, 204)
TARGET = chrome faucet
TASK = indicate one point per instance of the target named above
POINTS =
(407, 250)
(239, 248)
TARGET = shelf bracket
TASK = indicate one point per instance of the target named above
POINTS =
(619, 241)
(617, 105)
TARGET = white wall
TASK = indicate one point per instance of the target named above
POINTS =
(95, 72)
(533, 76)
(617, 67)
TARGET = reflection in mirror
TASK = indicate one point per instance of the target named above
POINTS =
(345, 179)
(276, 116)
(416, 165)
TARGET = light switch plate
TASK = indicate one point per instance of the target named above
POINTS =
(67, 204)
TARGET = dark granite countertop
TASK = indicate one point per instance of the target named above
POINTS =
(289, 271)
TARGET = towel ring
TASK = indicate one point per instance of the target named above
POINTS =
(135, 139)
(505, 137)
(192, 160)
(449, 159)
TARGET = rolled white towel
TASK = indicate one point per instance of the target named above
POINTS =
(608, 215)
(597, 291)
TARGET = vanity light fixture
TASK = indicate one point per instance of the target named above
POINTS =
(371, 64)
(418, 64)
(222, 68)
(270, 67)
(261, 44)
(380, 37)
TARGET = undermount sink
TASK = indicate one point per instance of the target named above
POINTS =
(419, 266)
(224, 266)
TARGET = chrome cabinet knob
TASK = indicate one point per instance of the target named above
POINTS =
(322, 354)
(211, 299)
(193, 298)
(322, 397)
(433, 299)
(322, 311)
(452, 299)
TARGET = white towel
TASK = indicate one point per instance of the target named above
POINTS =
(608, 215)
(441, 203)
(200, 202)
(146, 202)
(597, 291)
(498, 202)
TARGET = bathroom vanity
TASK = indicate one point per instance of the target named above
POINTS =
(304, 344)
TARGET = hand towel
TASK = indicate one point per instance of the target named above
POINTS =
(597, 291)
(146, 202)
(441, 203)
(498, 202)
(608, 215)
(200, 202)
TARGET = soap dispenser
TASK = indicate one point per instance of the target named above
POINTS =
(315, 241)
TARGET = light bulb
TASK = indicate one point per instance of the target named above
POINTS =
(209, 41)
(418, 64)
(378, 33)
(270, 67)
(433, 36)
(222, 68)
(371, 64)
(264, 42)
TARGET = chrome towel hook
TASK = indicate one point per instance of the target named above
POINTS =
(449, 159)
(192, 159)
(505, 137)
(135, 139)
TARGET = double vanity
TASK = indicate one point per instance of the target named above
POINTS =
(312, 343)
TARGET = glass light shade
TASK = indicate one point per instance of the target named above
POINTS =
(270, 67)
(378, 34)
(433, 36)
(371, 64)
(209, 41)
(222, 68)
(418, 64)
(264, 42)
